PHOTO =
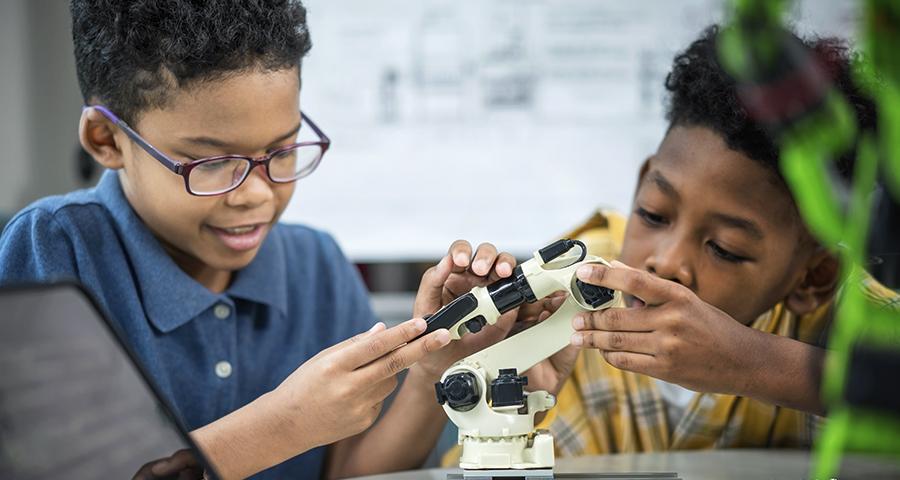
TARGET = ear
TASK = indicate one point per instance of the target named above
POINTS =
(97, 136)
(817, 284)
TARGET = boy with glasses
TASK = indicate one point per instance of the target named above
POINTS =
(244, 323)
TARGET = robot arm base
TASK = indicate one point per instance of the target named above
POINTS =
(518, 452)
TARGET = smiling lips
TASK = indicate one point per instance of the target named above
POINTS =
(241, 238)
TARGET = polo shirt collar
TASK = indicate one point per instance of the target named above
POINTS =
(264, 280)
(170, 297)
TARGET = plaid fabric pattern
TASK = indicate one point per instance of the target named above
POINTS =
(588, 423)
(602, 409)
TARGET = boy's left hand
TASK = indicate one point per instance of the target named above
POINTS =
(675, 336)
(457, 273)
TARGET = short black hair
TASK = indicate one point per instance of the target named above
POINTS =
(131, 54)
(702, 94)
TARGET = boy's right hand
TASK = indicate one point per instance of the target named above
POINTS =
(339, 392)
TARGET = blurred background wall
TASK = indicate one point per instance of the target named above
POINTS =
(505, 120)
(39, 102)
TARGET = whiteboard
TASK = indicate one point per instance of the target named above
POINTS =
(507, 121)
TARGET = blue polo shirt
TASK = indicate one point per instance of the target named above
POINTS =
(209, 353)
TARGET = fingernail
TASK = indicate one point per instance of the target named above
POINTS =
(419, 323)
(578, 323)
(461, 259)
(504, 269)
(557, 301)
(480, 267)
(584, 272)
(576, 339)
(442, 336)
(376, 327)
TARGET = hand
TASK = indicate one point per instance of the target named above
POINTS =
(457, 273)
(339, 392)
(551, 373)
(181, 465)
(673, 336)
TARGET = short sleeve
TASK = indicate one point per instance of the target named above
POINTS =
(35, 248)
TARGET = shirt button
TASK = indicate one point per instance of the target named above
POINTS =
(222, 311)
(223, 369)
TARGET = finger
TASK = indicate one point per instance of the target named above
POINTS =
(563, 361)
(404, 357)
(542, 309)
(461, 252)
(503, 267)
(650, 288)
(356, 338)
(428, 298)
(618, 320)
(635, 342)
(179, 461)
(633, 362)
(554, 301)
(190, 474)
(378, 344)
(485, 255)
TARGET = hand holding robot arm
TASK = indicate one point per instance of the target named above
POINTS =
(483, 393)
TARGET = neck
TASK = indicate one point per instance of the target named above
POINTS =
(215, 280)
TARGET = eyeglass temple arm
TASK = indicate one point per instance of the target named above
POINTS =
(161, 157)
(320, 133)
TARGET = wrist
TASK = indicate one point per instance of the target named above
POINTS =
(287, 420)
(748, 362)
(422, 378)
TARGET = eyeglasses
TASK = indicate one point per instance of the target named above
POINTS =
(224, 173)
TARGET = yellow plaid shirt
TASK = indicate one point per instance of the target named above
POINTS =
(602, 409)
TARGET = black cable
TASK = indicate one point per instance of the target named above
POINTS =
(583, 250)
(560, 247)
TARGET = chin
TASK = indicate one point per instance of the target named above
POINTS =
(233, 262)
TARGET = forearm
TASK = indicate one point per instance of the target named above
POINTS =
(785, 372)
(251, 439)
(400, 440)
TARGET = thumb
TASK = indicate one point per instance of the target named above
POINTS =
(428, 298)
(564, 360)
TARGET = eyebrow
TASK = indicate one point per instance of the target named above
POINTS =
(744, 224)
(748, 226)
(663, 184)
(217, 143)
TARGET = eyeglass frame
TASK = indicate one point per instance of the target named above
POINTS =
(184, 169)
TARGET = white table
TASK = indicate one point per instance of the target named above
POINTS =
(734, 464)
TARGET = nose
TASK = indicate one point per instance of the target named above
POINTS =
(255, 191)
(671, 260)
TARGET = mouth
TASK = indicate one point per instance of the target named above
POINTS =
(241, 237)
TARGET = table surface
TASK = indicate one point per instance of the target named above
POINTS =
(733, 464)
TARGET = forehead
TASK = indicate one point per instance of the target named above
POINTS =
(243, 107)
(706, 177)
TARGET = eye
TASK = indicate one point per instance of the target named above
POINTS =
(651, 219)
(725, 254)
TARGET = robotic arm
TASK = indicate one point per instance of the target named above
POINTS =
(483, 394)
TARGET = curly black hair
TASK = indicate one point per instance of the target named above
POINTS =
(131, 54)
(702, 94)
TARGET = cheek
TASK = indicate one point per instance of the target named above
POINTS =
(283, 194)
(744, 294)
(638, 243)
(162, 201)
